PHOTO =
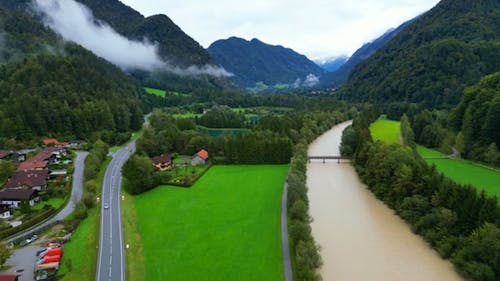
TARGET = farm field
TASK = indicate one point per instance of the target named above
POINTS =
(155, 92)
(465, 172)
(225, 227)
(215, 132)
(385, 130)
(461, 171)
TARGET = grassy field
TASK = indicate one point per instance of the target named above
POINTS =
(465, 172)
(225, 227)
(187, 115)
(54, 202)
(155, 92)
(385, 130)
(215, 132)
(134, 270)
(427, 152)
(81, 251)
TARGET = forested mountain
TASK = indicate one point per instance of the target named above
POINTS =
(173, 43)
(174, 46)
(253, 61)
(339, 77)
(52, 88)
(431, 60)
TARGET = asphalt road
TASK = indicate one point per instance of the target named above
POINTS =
(76, 195)
(111, 261)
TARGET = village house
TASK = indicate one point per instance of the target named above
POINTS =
(199, 158)
(162, 162)
(43, 159)
(30, 179)
(5, 212)
(13, 197)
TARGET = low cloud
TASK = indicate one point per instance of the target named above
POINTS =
(310, 81)
(75, 22)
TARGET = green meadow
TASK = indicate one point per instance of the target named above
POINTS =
(225, 227)
(465, 172)
(461, 171)
(385, 130)
(156, 92)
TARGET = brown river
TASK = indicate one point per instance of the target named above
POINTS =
(361, 238)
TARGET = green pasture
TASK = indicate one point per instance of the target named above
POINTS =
(465, 172)
(225, 227)
(385, 130)
(156, 92)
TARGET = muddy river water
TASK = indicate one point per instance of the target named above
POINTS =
(361, 238)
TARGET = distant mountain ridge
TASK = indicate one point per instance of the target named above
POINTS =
(434, 58)
(334, 64)
(255, 61)
(339, 77)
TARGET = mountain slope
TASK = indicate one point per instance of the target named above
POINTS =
(254, 61)
(52, 88)
(174, 45)
(339, 77)
(434, 58)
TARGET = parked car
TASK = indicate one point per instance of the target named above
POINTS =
(31, 239)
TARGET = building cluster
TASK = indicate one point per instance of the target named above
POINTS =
(32, 174)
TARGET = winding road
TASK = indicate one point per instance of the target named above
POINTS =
(111, 261)
(76, 195)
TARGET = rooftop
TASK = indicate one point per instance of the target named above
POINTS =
(16, 194)
(203, 154)
(29, 178)
(161, 159)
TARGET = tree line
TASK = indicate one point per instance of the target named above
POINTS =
(461, 223)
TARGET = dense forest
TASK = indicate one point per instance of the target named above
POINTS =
(52, 88)
(477, 118)
(431, 60)
(458, 221)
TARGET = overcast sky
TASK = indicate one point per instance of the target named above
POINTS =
(319, 29)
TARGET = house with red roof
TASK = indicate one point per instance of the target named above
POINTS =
(162, 162)
(200, 158)
(49, 155)
(54, 142)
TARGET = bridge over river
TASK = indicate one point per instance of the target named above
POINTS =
(328, 157)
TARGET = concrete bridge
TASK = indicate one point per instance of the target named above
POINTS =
(324, 158)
